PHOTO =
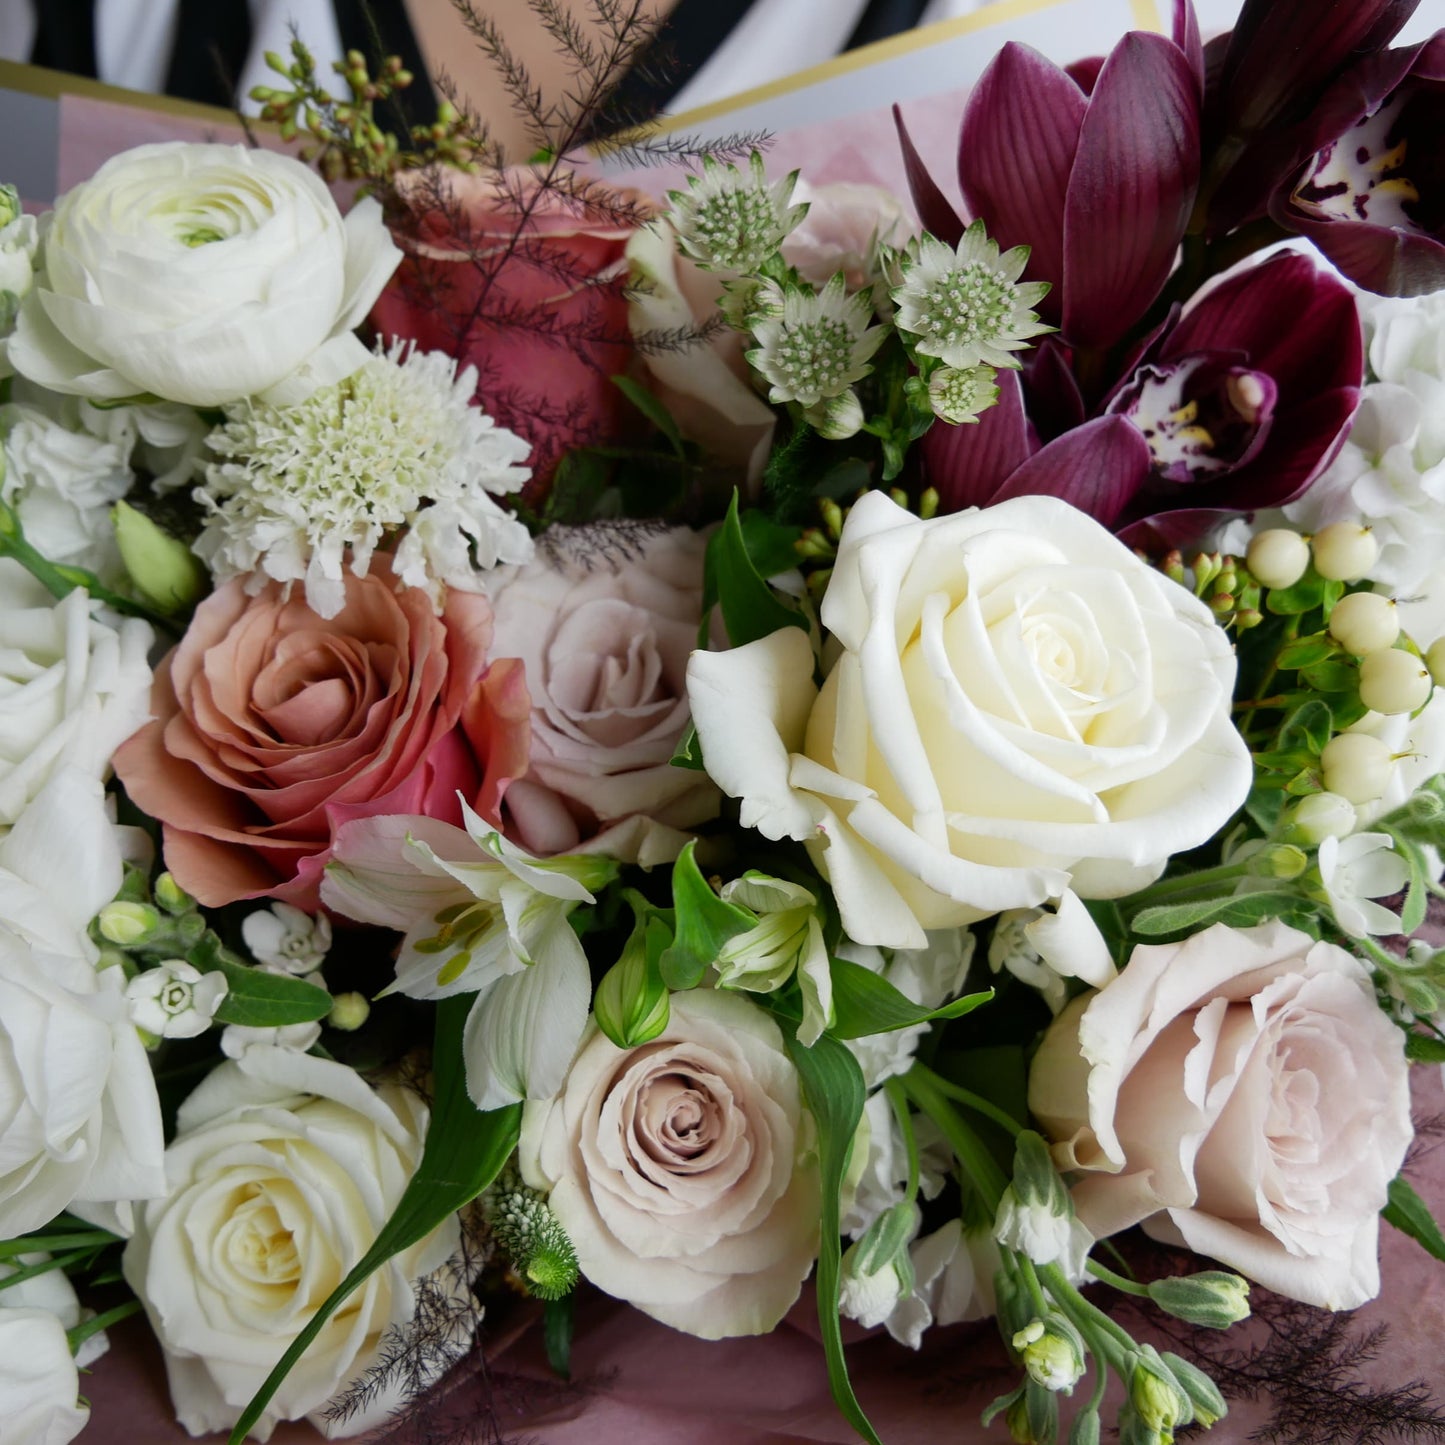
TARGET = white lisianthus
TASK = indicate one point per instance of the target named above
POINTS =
(201, 274)
(74, 688)
(39, 1384)
(282, 1173)
(1020, 706)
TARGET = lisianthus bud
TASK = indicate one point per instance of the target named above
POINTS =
(1365, 622)
(126, 924)
(1053, 1353)
(1208, 1404)
(1278, 557)
(164, 570)
(1344, 551)
(1356, 766)
(1319, 816)
(1213, 1298)
(1394, 681)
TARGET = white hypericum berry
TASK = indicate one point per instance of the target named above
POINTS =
(1344, 551)
(1365, 622)
(1278, 557)
(1356, 766)
(1435, 659)
(1394, 681)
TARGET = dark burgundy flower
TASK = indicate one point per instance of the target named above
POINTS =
(1240, 403)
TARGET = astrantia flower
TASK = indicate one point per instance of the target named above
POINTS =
(730, 221)
(397, 444)
(967, 306)
(813, 345)
(959, 396)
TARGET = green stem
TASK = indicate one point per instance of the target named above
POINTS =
(973, 1157)
(75, 1239)
(970, 1100)
(1107, 1275)
(82, 1332)
(1167, 888)
(898, 1099)
(1031, 1280)
(1067, 1297)
(44, 1266)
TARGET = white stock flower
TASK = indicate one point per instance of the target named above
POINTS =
(953, 1273)
(175, 1000)
(812, 346)
(480, 916)
(19, 238)
(1042, 947)
(39, 1383)
(1045, 1235)
(201, 274)
(283, 1171)
(1354, 872)
(304, 490)
(73, 687)
(287, 939)
(1019, 706)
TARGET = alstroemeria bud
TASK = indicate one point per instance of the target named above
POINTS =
(632, 1002)
(1213, 1298)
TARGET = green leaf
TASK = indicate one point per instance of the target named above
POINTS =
(1238, 911)
(1307, 593)
(1306, 651)
(1309, 727)
(703, 924)
(1424, 1049)
(846, 479)
(254, 998)
(833, 1086)
(865, 1002)
(1411, 1215)
(772, 547)
(631, 1005)
(557, 1321)
(464, 1152)
(1331, 677)
(653, 410)
(750, 608)
(688, 753)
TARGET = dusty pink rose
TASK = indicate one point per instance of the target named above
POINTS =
(604, 619)
(526, 285)
(274, 726)
(845, 224)
(1240, 1093)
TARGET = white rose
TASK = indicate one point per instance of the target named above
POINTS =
(604, 619)
(82, 1121)
(1240, 1093)
(39, 1383)
(283, 1171)
(74, 688)
(52, 1292)
(845, 224)
(1020, 706)
(683, 1171)
(201, 274)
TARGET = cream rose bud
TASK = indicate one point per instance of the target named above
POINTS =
(283, 1171)
(201, 274)
(604, 619)
(39, 1384)
(684, 1171)
(1020, 707)
(1240, 1093)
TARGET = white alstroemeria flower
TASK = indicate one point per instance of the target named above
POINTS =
(175, 1000)
(1357, 870)
(813, 345)
(480, 916)
(286, 938)
(967, 306)
(731, 222)
(788, 939)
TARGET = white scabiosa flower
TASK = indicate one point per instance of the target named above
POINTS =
(967, 306)
(174, 1000)
(813, 345)
(731, 221)
(298, 490)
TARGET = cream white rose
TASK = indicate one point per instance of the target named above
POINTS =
(73, 687)
(283, 1171)
(604, 619)
(683, 1171)
(201, 274)
(39, 1383)
(1020, 706)
(1240, 1093)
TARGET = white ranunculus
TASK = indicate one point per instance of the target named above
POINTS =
(82, 1121)
(39, 1383)
(1020, 706)
(1240, 1093)
(683, 1171)
(201, 274)
(73, 687)
(283, 1171)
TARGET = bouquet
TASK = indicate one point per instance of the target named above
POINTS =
(559, 738)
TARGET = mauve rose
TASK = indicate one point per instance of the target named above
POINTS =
(604, 619)
(274, 726)
(514, 278)
(1241, 1093)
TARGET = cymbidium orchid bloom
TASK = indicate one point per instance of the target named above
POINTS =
(480, 916)
(1237, 404)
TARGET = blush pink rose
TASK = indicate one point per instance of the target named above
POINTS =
(604, 619)
(274, 726)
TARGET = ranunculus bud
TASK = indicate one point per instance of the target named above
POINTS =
(1356, 766)
(1394, 681)
(1365, 622)
(1344, 551)
(1278, 557)
(1213, 1298)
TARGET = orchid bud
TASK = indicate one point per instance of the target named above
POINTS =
(1213, 1298)
(1344, 551)
(1278, 557)
(1356, 766)
(1394, 681)
(1365, 622)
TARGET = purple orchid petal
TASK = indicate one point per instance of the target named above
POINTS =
(1131, 188)
(1098, 467)
(967, 464)
(1167, 530)
(1185, 32)
(1020, 132)
(1056, 404)
(1381, 259)
(1085, 73)
(934, 209)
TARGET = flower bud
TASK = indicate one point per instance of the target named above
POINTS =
(1156, 1395)
(632, 1002)
(1213, 1298)
(164, 570)
(1344, 551)
(1208, 1404)
(348, 1012)
(836, 418)
(1053, 1353)
(1206, 566)
(1278, 860)
(1320, 816)
(171, 896)
(1435, 659)
(1085, 1429)
(126, 924)
(1393, 681)
(870, 1295)
(1356, 766)
(1278, 557)
(1365, 622)
(10, 207)
(960, 396)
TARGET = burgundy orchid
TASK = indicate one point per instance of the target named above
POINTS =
(1372, 196)
(1237, 404)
